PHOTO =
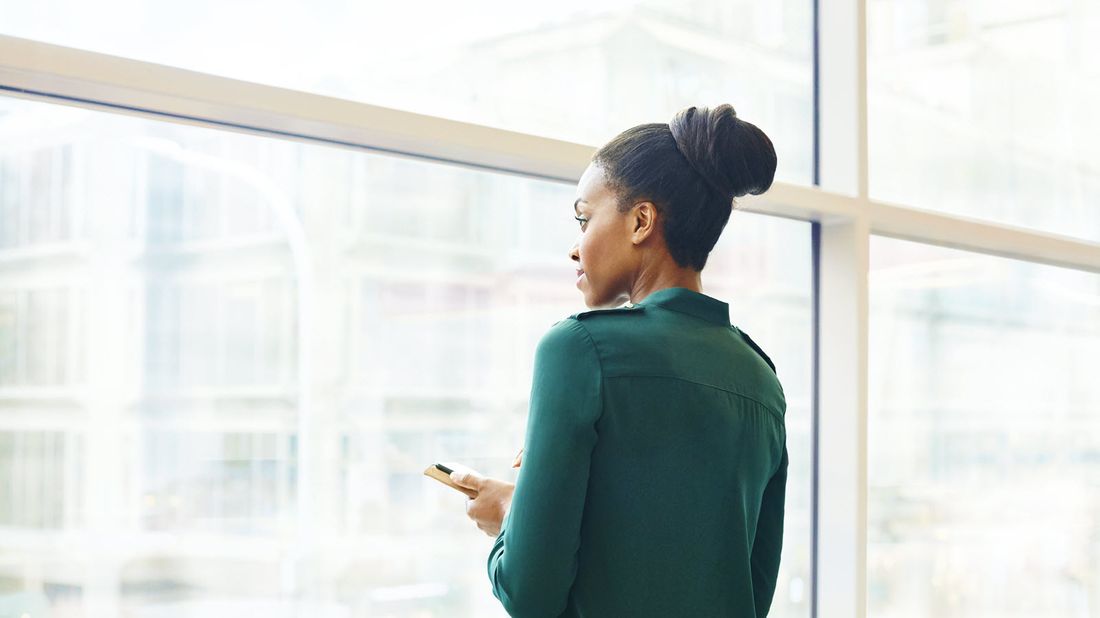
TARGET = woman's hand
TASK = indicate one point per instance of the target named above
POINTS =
(519, 459)
(494, 497)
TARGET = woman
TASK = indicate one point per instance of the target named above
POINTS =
(655, 459)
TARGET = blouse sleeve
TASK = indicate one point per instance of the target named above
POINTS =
(534, 560)
(768, 543)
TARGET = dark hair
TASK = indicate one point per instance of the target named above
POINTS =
(692, 169)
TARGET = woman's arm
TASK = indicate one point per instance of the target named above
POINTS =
(534, 560)
(768, 542)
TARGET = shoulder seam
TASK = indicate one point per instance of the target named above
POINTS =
(756, 348)
(599, 363)
(613, 310)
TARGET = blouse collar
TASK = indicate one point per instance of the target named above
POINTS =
(690, 302)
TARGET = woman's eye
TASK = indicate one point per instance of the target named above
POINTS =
(581, 220)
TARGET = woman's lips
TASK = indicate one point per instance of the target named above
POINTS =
(580, 275)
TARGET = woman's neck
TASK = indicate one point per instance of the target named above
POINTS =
(671, 278)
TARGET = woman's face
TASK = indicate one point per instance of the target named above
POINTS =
(605, 248)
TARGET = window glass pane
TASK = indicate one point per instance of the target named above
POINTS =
(227, 361)
(987, 109)
(984, 430)
(572, 70)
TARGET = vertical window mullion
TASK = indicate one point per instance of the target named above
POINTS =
(841, 247)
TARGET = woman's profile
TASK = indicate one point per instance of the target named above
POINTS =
(655, 459)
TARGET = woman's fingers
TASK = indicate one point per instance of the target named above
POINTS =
(471, 480)
(492, 502)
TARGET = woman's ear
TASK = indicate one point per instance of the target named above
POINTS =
(642, 220)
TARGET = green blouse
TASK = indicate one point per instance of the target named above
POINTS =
(654, 469)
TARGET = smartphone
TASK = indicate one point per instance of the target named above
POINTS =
(442, 474)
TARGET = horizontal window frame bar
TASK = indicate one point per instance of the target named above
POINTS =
(53, 73)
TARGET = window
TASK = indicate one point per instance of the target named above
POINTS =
(569, 70)
(226, 358)
(983, 434)
(222, 382)
(985, 109)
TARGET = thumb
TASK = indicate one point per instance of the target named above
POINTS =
(471, 480)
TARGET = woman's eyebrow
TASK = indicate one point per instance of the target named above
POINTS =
(579, 200)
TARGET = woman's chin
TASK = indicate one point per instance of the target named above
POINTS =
(587, 298)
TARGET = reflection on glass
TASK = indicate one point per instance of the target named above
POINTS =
(984, 430)
(987, 109)
(225, 361)
(571, 69)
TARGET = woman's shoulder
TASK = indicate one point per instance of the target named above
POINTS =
(752, 344)
(582, 329)
(598, 324)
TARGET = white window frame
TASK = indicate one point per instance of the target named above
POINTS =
(841, 207)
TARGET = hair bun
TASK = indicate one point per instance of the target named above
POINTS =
(733, 156)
